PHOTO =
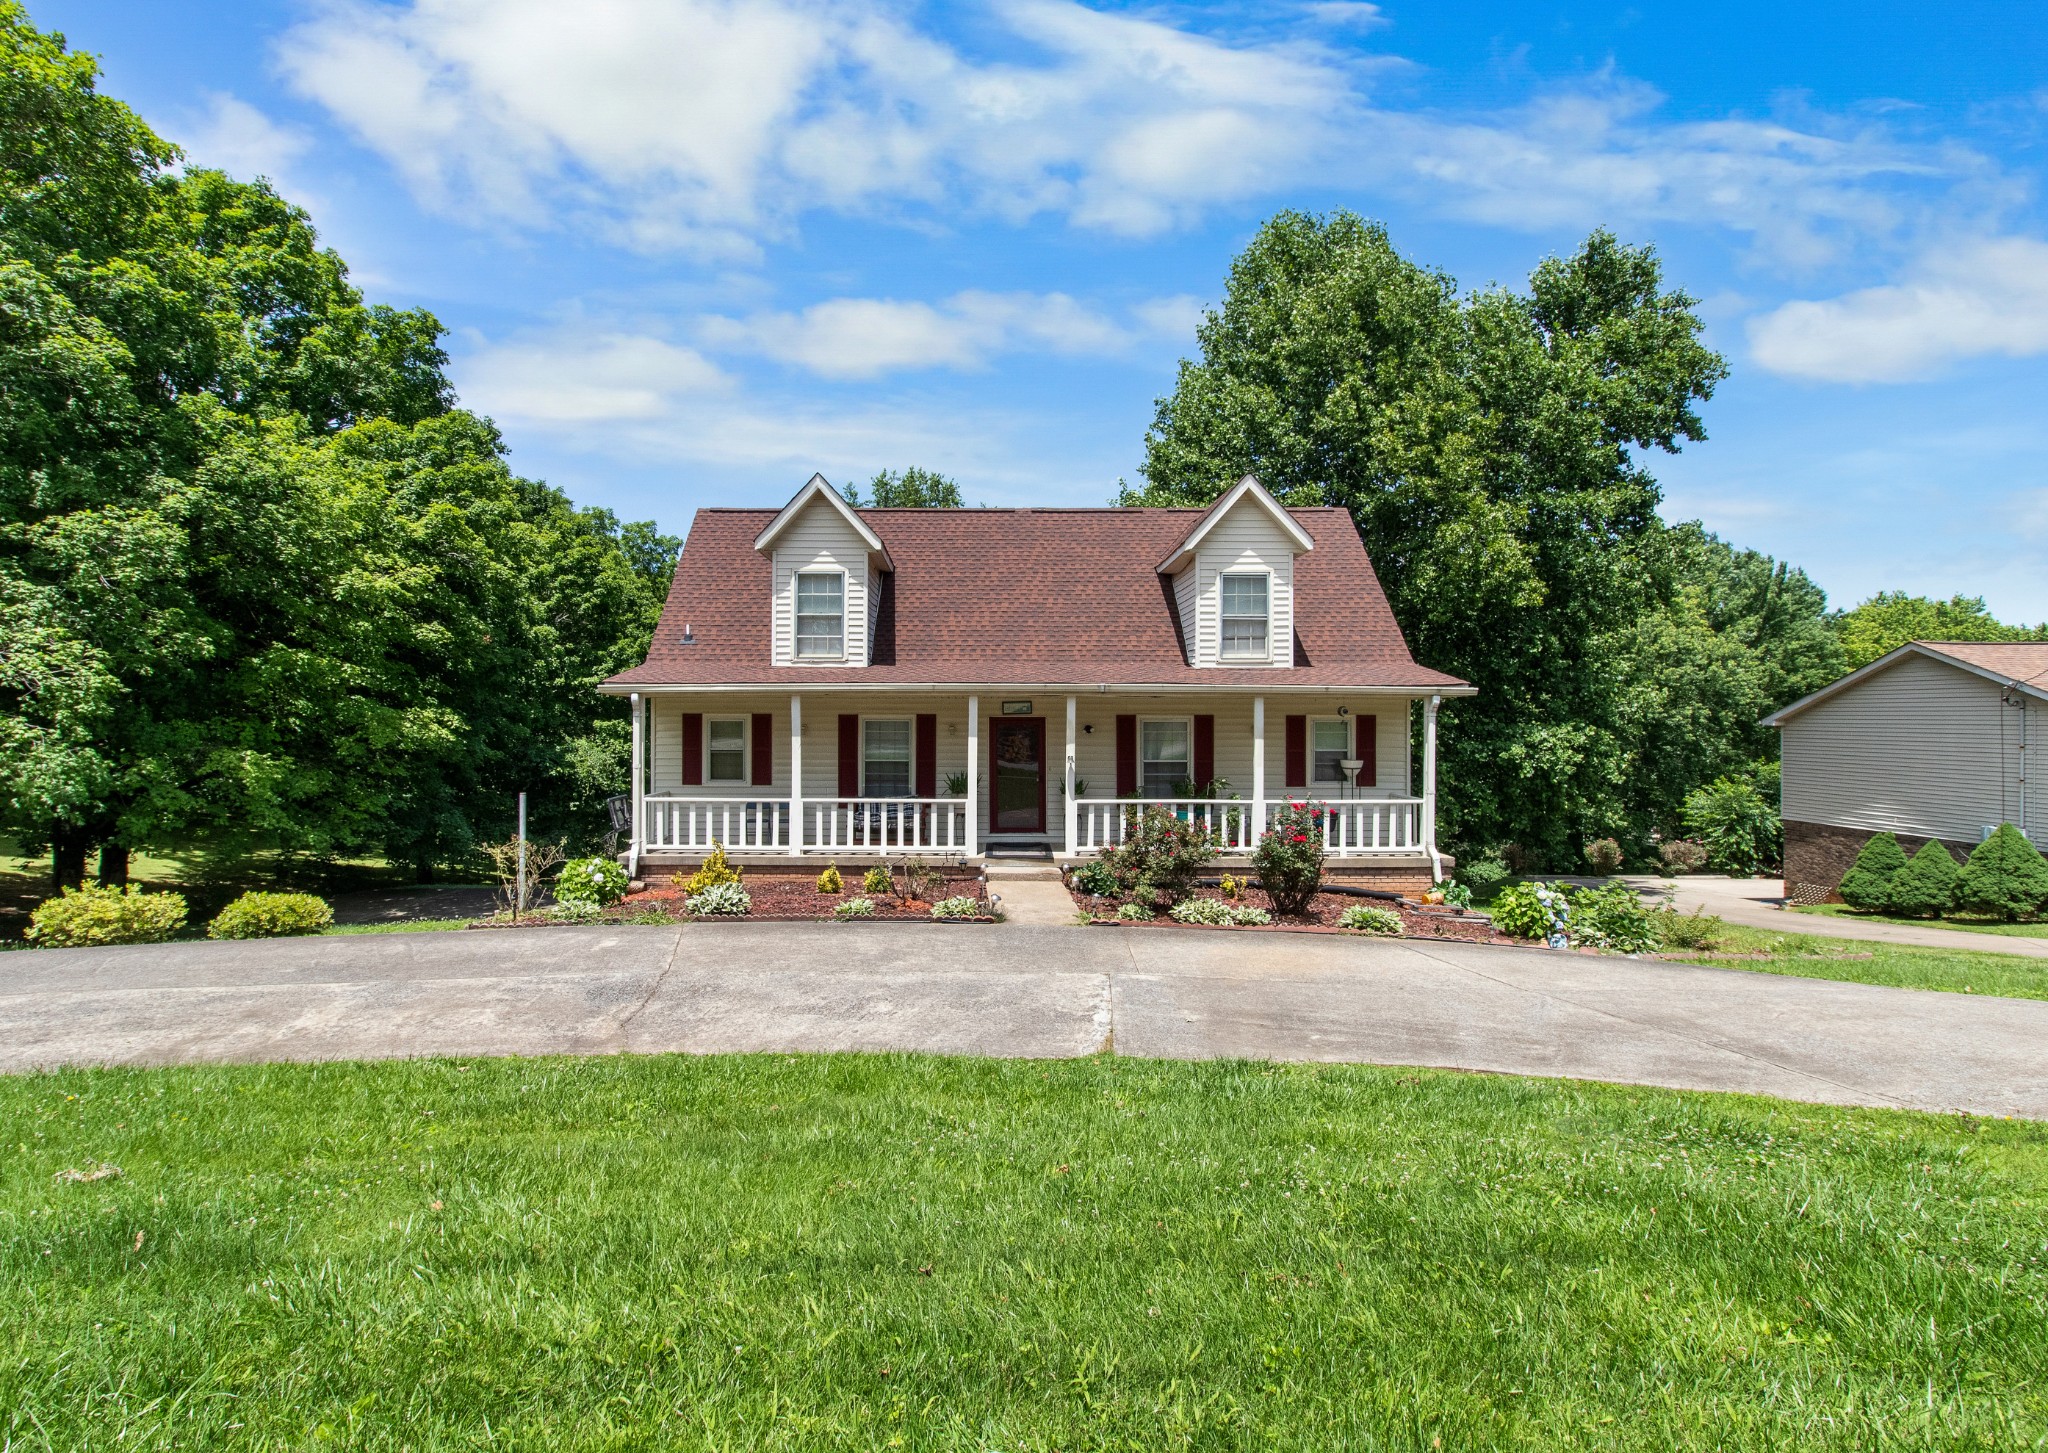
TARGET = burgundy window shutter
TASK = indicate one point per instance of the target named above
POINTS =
(693, 749)
(849, 754)
(1126, 755)
(764, 748)
(1205, 751)
(1297, 751)
(1368, 751)
(927, 754)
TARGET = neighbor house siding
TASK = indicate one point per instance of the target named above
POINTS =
(1916, 748)
(1247, 538)
(820, 539)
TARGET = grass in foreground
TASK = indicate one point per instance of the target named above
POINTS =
(861, 1252)
(1897, 966)
(1963, 925)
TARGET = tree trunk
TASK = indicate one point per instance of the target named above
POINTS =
(423, 869)
(68, 847)
(113, 865)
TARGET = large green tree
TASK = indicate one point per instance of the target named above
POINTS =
(259, 580)
(1891, 618)
(1490, 447)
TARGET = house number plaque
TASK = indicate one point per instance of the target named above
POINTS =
(1016, 708)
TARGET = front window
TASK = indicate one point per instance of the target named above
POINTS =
(821, 614)
(1163, 757)
(1244, 617)
(886, 759)
(1331, 746)
(728, 749)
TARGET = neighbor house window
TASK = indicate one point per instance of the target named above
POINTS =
(1163, 757)
(1332, 745)
(727, 743)
(885, 759)
(821, 614)
(1245, 617)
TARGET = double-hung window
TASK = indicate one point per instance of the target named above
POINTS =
(1331, 746)
(1246, 612)
(1163, 757)
(726, 740)
(820, 614)
(885, 759)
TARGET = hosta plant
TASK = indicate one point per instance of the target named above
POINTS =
(271, 915)
(720, 900)
(957, 907)
(1364, 918)
(854, 908)
(1246, 916)
(1212, 912)
(1134, 913)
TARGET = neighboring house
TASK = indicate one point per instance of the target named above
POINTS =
(845, 682)
(1933, 740)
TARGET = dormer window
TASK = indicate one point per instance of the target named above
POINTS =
(820, 615)
(1246, 615)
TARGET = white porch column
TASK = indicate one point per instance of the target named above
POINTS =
(639, 788)
(796, 775)
(1258, 768)
(1073, 807)
(973, 775)
(1436, 862)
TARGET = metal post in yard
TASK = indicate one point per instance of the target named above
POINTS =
(519, 898)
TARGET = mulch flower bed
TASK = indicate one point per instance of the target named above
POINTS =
(1417, 921)
(786, 896)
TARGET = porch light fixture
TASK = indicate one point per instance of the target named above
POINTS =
(1350, 767)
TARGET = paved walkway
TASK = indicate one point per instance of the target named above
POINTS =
(1759, 903)
(1027, 991)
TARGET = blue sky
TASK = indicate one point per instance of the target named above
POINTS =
(690, 252)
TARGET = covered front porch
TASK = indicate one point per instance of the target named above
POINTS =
(853, 774)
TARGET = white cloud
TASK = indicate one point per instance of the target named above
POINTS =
(232, 136)
(1963, 301)
(580, 377)
(711, 124)
(866, 337)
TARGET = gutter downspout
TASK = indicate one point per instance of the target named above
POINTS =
(639, 790)
(1436, 861)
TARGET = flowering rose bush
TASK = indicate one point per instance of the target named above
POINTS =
(1160, 856)
(1289, 858)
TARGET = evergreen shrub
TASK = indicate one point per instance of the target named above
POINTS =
(90, 917)
(830, 881)
(1926, 886)
(713, 872)
(1867, 885)
(271, 915)
(877, 880)
(2006, 876)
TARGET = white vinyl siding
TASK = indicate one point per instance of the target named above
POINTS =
(1922, 748)
(1246, 541)
(817, 541)
(725, 749)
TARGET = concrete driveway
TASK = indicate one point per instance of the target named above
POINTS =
(1023, 991)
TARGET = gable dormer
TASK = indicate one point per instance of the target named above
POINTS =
(1233, 580)
(828, 566)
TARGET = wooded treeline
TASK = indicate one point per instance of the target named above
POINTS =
(261, 583)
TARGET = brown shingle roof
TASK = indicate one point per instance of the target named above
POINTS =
(2015, 660)
(1023, 597)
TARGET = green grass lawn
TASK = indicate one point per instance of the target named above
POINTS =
(1963, 925)
(1900, 966)
(870, 1252)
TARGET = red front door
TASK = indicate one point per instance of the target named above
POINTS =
(1016, 774)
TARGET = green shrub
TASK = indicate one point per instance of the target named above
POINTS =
(877, 880)
(1695, 930)
(854, 908)
(1161, 855)
(90, 917)
(960, 906)
(1456, 894)
(1095, 879)
(1613, 917)
(1603, 856)
(2005, 876)
(1134, 913)
(713, 872)
(1527, 910)
(1926, 886)
(1735, 823)
(720, 900)
(1682, 855)
(1484, 875)
(1363, 917)
(271, 915)
(1289, 858)
(598, 881)
(829, 881)
(1868, 884)
(1211, 912)
(1246, 916)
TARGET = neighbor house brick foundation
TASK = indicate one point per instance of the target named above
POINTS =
(1818, 856)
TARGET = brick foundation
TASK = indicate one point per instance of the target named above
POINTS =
(1818, 856)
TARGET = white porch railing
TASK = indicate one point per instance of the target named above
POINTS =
(693, 824)
(1099, 825)
(1356, 827)
(886, 825)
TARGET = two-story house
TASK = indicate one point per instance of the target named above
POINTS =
(847, 683)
